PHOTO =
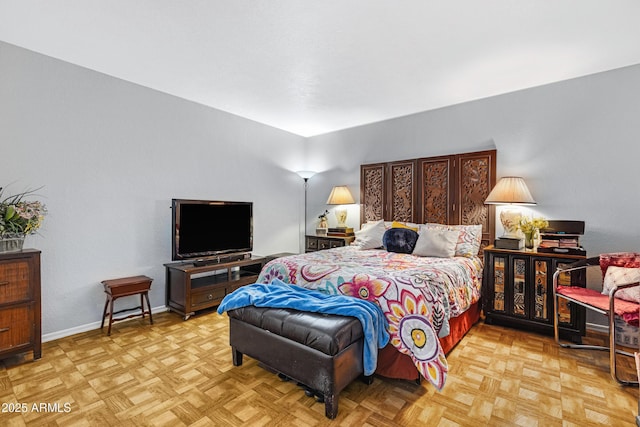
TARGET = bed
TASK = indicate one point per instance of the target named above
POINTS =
(423, 297)
(429, 302)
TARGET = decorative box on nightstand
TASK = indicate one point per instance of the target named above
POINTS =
(508, 243)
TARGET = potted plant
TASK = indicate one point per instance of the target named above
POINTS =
(18, 218)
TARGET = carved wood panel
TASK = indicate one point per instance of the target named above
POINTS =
(476, 177)
(402, 186)
(435, 190)
(372, 192)
(445, 189)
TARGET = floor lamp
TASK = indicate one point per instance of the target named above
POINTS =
(305, 175)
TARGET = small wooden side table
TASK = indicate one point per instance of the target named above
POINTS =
(124, 287)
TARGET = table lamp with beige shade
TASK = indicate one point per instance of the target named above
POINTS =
(340, 196)
(511, 191)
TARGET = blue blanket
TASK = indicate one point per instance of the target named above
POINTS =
(282, 295)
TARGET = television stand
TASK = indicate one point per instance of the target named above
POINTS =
(192, 287)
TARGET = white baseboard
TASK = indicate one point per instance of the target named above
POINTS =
(88, 327)
(597, 327)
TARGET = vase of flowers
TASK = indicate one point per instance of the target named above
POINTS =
(18, 218)
(530, 227)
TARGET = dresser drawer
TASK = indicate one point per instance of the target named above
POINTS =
(312, 243)
(324, 244)
(336, 243)
(16, 327)
(208, 298)
(14, 282)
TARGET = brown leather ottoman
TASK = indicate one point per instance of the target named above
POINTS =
(323, 352)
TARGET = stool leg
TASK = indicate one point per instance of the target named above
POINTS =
(104, 312)
(110, 316)
(142, 304)
(146, 295)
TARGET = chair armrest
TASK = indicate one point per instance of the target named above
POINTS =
(582, 264)
(616, 288)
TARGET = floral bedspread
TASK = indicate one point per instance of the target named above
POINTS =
(418, 295)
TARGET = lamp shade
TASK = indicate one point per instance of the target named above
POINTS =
(510, 190)
(340, 195)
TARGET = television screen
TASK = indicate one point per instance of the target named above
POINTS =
(203, 228)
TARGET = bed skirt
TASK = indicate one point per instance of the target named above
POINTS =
(393, 364)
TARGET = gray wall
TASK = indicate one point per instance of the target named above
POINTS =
(111, 155)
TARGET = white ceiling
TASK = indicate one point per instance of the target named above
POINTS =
(315, 66)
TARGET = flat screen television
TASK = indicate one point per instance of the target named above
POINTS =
(210, 228)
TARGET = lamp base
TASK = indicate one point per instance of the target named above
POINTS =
(510, 219)
(341, 216)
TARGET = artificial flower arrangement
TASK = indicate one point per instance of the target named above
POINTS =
(531, 225)
(530, 228)
(20, 217)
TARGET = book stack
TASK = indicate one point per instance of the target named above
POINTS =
(560, 242)
(340, 232)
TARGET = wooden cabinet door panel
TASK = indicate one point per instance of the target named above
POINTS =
(570, 314)
(475, 179)
(402, 186)
(518, 285)
(372, 193)
(541, 298)
(435, 177)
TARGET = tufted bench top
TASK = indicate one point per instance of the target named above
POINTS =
(328, 333)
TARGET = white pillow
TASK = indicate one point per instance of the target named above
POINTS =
(370, 236)
(437, 243)
(617, 276)
(469, 239)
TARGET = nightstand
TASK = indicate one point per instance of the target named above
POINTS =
(317, 243)
(518, 291)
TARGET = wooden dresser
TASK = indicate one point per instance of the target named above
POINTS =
(20, 312)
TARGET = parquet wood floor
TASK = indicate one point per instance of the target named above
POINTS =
(177, 373)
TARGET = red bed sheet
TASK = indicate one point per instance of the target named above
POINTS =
(393, 364)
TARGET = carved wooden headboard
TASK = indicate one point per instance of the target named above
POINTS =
(444, 189)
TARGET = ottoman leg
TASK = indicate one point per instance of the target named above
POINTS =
(330, 405)
(236, 356)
